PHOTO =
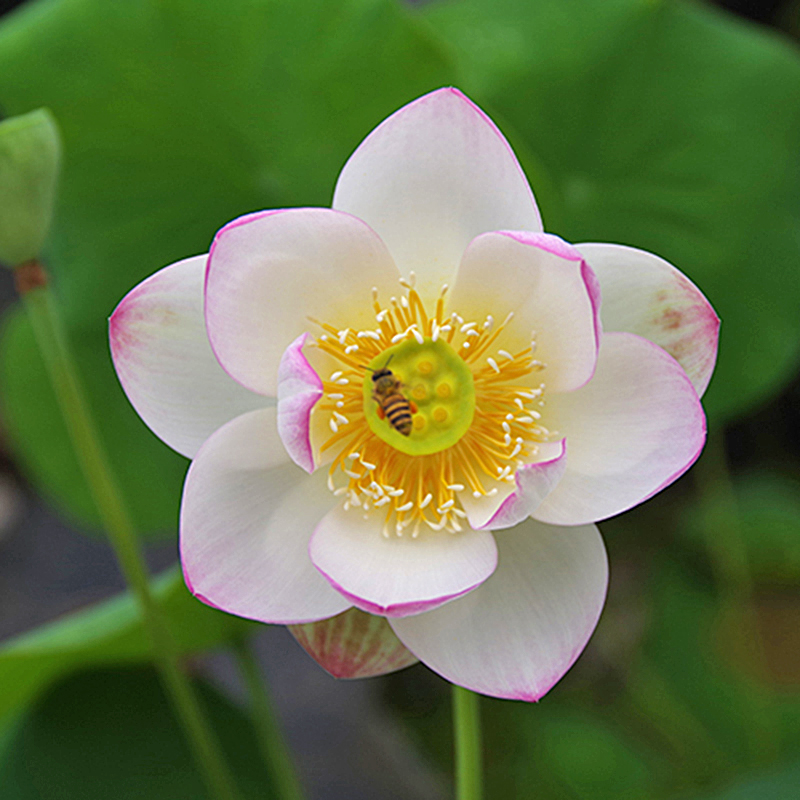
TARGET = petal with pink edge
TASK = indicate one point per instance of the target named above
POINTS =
(549, 288)
(269, 274)
(354, 645)
(246, 518)
(518, 633)
(645, 295)
(398, 575)
(532, 483)
(164, 361)
(634, 429)
(299, 388)
(429, 179)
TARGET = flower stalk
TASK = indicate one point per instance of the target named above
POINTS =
(43, 314)
(467, 742)
(270, 737)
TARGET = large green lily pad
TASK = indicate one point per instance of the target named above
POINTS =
(177, 117)
(668, 126)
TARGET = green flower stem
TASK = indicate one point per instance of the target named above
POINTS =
(273, 747)
(468, 749)
(43, 314)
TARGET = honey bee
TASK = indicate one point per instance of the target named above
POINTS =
(392, 405)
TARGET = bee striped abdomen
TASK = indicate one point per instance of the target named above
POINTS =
(398, 412)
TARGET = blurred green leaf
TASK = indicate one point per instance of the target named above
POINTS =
(667, 126)
(110, 735)
(779, 785)
(768, 513)
(108, 633)
(584, 755)
(696, 646)
(682, 646)
(177, 117)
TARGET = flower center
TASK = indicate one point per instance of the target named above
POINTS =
(419, 398)
(426, 415)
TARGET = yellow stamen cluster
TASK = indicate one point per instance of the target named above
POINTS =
(410, 491)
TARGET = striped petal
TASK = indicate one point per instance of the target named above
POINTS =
(354, 645)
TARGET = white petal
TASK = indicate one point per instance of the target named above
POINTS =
(268, 273)
(164, 360)
(518, 633)
(246, 518)
(645, 295)
(399, 575)
(299, 388)
(633, 429)
(532, 483)
(550, 289)
(430, 178)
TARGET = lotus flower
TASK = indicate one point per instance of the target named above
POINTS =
(414, 405)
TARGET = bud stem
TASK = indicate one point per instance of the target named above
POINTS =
(43, 314)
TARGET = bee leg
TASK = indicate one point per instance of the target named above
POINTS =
(381, 413)
(413, 405)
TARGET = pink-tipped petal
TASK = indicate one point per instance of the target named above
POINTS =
(398, 575)
(430, 178)
(646, 295)
(518, 633)
(299, 388)
(532, 483)
(636, 427)
(164, 361)
(246, 518)
(354, 645)
(269, 273)
(549, 288)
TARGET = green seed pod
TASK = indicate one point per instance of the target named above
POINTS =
(30, 153)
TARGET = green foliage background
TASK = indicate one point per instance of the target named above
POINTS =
(661, 125)
(664, 125)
